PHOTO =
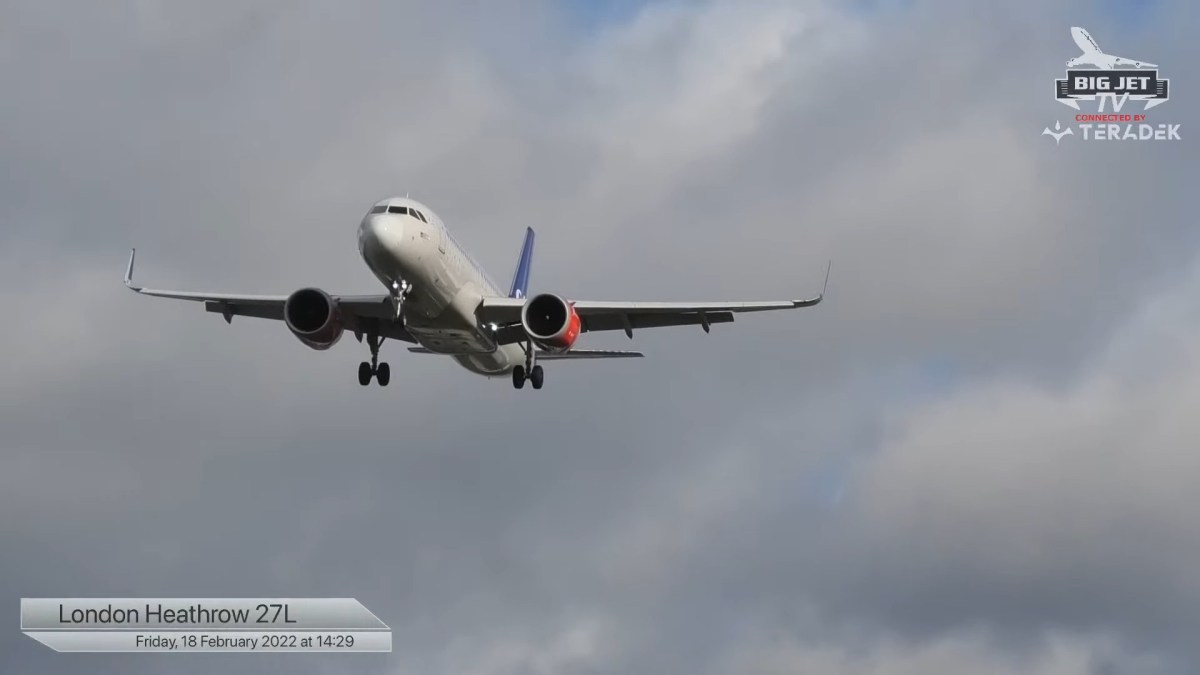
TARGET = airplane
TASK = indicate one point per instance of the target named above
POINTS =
(1092, 56)
(440, 300)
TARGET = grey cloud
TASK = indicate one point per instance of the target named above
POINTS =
(788, 493)
(1068, 506)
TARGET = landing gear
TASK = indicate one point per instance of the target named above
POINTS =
(530, 371)
(399, 291)
(380, 371)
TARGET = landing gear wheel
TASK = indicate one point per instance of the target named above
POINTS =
(374, 368)
(536, 376)
(518, 377)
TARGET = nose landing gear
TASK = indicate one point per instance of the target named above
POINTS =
(399, 291)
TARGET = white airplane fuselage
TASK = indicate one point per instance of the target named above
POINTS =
(447, 286)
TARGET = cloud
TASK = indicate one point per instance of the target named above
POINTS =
(973, 455)
(1044, 506)
(1060, 656)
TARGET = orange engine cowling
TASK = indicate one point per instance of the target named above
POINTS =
(551, 322)
(313, 317)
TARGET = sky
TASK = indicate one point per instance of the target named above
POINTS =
(977, 455)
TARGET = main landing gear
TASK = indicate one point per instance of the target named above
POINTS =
(380, 371)
(529, 371)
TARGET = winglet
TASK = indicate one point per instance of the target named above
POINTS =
(129, 271)
(816, 300)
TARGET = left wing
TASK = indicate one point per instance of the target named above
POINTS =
(1122, 61)
(357, 310)
(626, 316)
(562, 356)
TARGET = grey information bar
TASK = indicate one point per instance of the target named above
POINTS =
(214, 641)
(258, 614)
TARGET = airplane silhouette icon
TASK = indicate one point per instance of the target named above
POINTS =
(1092, 56)
(1057, 134)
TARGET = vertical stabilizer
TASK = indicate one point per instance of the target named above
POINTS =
(520, 281)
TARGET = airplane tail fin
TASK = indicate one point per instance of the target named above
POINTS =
(520, 281)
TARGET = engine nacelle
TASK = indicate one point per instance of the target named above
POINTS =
(313, 317)
(551, 322)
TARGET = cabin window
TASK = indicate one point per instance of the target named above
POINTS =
(379, 209)
(398, 209)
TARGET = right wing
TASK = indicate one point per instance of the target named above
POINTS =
(358, 311)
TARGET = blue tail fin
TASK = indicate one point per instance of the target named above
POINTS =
(520, 282)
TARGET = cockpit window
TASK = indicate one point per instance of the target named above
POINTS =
(379, 209)
(420, 216)
(398, 209)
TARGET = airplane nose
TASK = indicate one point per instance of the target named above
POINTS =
(383, 230)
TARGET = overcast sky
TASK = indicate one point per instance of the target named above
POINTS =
(981, 454)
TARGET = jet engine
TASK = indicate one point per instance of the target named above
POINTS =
(551, 322)
(313, 317)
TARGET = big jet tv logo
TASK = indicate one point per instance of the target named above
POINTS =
(1111, 82)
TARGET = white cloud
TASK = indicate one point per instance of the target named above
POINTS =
(1013, 486)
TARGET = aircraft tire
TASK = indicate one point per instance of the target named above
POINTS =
(364, 373)
(537, 377)
(518, 374)
(383, 374)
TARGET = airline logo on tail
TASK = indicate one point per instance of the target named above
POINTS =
(1112, 82)
(520, 281)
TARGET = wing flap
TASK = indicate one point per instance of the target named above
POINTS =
(603, 322)
(229, 309)
(573, 354)
(514, 333)
(589, 354)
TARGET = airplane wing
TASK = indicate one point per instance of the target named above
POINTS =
(357, 310)
(573, 354)
(627, 316)
(1084, 41)
(1122, 61)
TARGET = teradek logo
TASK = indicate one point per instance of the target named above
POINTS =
(1111, 82)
